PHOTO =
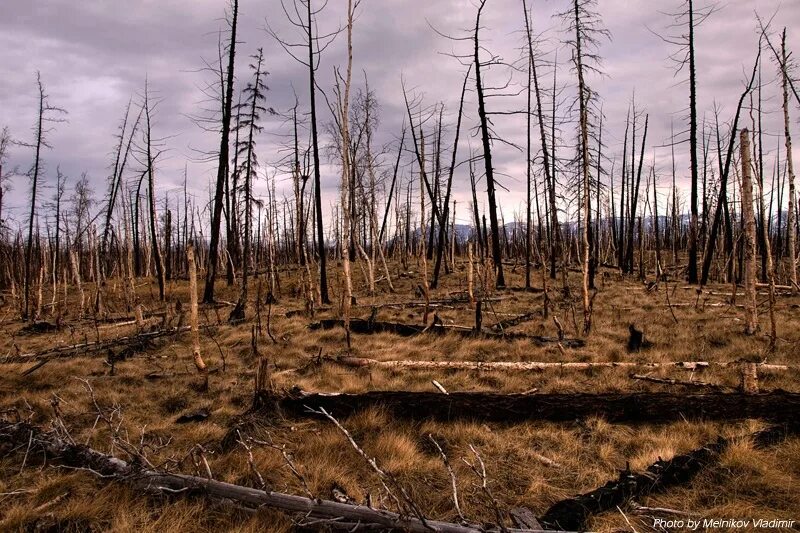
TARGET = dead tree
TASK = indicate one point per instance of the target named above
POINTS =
(305, 19)
(309, 510)
(723, 182)
(253, 107)
(791, 216)
(122, 153)
(344, 120)
(531, 70)
(222, 166)
(487, 153)
(692, 148)
(193, 318)
(585, 24)
(635, 186)
(690, 18)
(150, 161)
(5, 143)
(47, 114)
(445, 216)
(751, 322)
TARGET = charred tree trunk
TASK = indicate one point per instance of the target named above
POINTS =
(321, 251)
(487, 157)
(222, 166)
(693, 278)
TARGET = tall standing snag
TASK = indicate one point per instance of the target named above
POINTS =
(487, 155)
(222, 166)
(751, 311)
(150, 161)
(792, 210)
(586, 25)
(43, 118)
(344, 118)
(253, 108)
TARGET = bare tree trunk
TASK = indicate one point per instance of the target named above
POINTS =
(76, 276)
(222, 166)
(344, 121)
(323, 276)
(40, 143)
(151, 186)
(724, 170)
(635, 186)
(193, 320)
(487, 157)
(584, 148)
(656, 231)
(693, 278)
(792, 214)
(751, 311)
(445, 215)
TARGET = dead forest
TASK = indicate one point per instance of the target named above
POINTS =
(315, 340)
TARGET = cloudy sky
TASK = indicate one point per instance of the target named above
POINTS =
(94, 55)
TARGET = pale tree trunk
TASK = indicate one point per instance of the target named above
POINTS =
(39, 295)
(453, 239)
(193, 320)
(584, 124)
(130, 284)
(370, 268)
(76, 275)
(346, 214)
(98, 275)
(54, 277)
(791, 215)
(470, 276)
(423, 252)
(751, 311)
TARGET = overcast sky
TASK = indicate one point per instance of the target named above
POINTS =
(94, 55)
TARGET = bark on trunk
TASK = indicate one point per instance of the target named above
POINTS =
(750, 304)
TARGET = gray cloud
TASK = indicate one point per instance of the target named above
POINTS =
(94, 55)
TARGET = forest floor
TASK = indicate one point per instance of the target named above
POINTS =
(532, 464)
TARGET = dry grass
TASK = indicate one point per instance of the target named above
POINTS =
(578, 456)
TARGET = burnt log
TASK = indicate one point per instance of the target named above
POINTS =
(648, 407)
(367, 327)
(574, 513)
(514, 321)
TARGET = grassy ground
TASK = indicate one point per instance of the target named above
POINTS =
(532, 464)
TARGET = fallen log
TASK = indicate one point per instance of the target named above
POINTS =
(525, 366)
(778, 405)
(409, 330)
(24, 435)
(574, 513)
(683, 383)
(514, 321)
(89, 347)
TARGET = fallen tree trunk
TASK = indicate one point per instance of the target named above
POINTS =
(410, 330)
(516, 320)
(574, 513)
(683, 383)
(524, 366)
(311, 510)
(89, 347)
(780, 406)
